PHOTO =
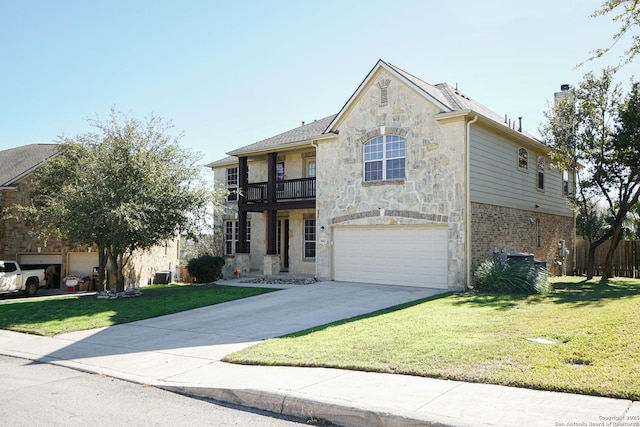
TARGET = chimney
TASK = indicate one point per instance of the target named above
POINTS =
(564, 94)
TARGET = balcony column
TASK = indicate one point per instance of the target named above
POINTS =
(243, 175)
(271, 259)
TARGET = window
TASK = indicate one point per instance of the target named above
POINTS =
(384, 158)
(523, 159)
(280, 175)
(309, 238)
(311, 168)
(540, 172)
(565, 183)
(232, 184)
(231, 233)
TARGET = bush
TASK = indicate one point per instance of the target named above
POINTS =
(518, 278)
(205, 268)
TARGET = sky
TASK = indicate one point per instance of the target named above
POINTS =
(230, 73)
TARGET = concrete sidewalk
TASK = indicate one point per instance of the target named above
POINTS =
(182, 352)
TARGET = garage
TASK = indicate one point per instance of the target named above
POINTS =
(44, 261)
(396, 255)
(81, 263)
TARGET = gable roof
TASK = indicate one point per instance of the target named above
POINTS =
(445, 97)
(17, 162)
(448, 99)
(300, 134)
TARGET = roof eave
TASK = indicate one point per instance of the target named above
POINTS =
(281, 147)
(526, 139)
(398, 75)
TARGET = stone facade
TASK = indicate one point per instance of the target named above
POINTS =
(432, 191)
(17, 243)
(458, 159)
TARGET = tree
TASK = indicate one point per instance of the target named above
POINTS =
(632, 224)
(125, 187)
(592, 132)
(628, 15)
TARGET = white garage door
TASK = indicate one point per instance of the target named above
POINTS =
(82, 263)
(40, 259)
(400, 255)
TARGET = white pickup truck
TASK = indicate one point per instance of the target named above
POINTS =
(13, 278)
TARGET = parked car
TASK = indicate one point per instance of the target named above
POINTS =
(13, 278)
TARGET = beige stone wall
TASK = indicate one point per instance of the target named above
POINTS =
(15, 235)
(17, 241)
(496, 228)
(433, 190)
(145, 264)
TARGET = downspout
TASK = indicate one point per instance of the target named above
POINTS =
(468, 202)
(314, 144)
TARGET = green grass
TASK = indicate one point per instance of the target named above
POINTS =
(484, 338)
(74, 313)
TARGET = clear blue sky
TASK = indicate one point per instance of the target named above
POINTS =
(230, 73)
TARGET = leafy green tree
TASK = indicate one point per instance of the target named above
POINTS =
(632, 224)
(125, 187)
(627, 13)
(591, 132)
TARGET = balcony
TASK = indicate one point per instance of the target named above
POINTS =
(293, 192)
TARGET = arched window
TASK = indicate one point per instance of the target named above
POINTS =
(384, 158)
(523, 159)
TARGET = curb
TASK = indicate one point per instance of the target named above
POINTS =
(315, 410)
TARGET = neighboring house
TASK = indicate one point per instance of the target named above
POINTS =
(16, 243)
(410, 184)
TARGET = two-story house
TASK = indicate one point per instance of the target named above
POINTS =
(410, 184)
(17, 243)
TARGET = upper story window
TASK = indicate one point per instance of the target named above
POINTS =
(232, 183)
(565, 183)
(523, 159)
(540, 172)
(384, 158)
(310, 169)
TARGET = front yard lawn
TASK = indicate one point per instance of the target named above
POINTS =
(487, 338)
(74, 313)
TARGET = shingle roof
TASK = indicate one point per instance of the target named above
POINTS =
(16, 162)
(453, 99)
(299, 134)
(447, 98)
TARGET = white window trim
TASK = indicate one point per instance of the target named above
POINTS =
(384, 159)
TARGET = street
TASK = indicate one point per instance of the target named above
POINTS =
(38, 394)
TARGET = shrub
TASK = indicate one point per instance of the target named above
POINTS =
(518, 278)
(205, 268)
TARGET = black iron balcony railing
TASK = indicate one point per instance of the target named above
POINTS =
(289, 190)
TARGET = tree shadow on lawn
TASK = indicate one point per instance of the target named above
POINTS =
(565, 291)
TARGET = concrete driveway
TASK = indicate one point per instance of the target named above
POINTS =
(209, 333)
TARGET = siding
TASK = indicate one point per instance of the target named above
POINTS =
(497, 180)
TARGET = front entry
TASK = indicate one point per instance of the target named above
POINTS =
(283, 243)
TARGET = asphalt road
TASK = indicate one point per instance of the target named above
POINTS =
(37, 394)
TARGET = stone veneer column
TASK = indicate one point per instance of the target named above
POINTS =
(271, 265)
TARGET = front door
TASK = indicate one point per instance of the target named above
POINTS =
(283, 243)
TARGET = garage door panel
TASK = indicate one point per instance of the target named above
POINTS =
(411, 256)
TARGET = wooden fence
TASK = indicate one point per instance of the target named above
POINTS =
(626, 261)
